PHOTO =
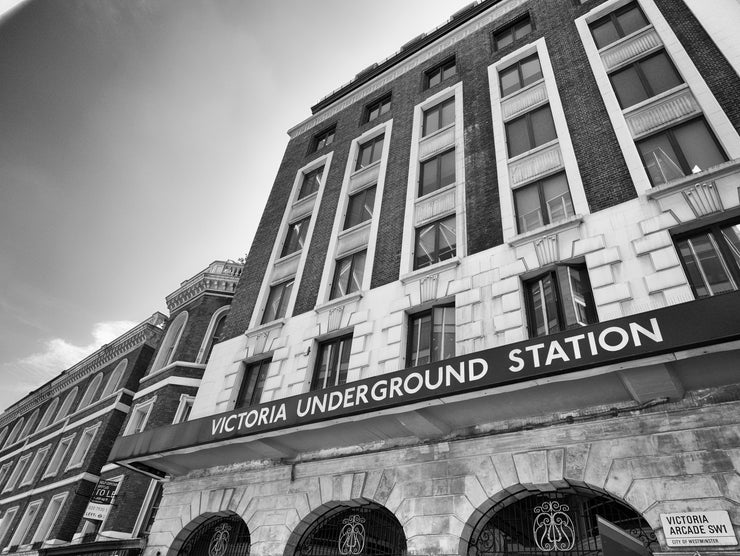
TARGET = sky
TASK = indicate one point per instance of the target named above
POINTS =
(138, 142)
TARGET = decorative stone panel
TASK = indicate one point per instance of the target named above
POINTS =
(428, 287)
(676, 106)
(437, 142)
(634, 47)
(286, 267)
(535, 165)
(353, 239)
(434, 206)
(302, 207)
(364, 177)
(523, 101)
(703, 198)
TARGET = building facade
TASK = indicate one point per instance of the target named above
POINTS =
(491, 306)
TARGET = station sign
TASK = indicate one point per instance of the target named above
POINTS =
(712, 528)
(101, 500)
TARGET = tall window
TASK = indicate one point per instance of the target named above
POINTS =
(520, 74)
(277, 301)
(311, 182)
(296, 236)
(323, 139)
(59, 454)
(507, 35)
(559, 299)
(67, 404)
(544, 202)
(529, 131)
(33, 469)
(370, 152)
(439, 73)
(253, 383)
(437, 172)
(20, 467)
(139, 416)
(618, 24)
(48, 413)
(3, 434)
(360, 207)
(439, 116)
(28, 428)
(679, 151)
(332, 363)
(6, 522)
(215, 334)
(92, 390)
(644, 79)
(114, 379)
(431, 336)
(4, 472)
(348, 274)
(21, 531)
(435, 242)
(376, 109)
(166, 353)
(711, 258)
(50, 518)
(14, 435)
(83, 447)
(184, 408)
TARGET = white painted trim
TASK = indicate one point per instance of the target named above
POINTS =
(81, 477)
(209, 332)
(83, 452)
(52, 520)
(144, 509)
(169, 381)
(146, 406)
(109, 467)
(38, 457)
(172, 365)
(48, 472)
(120, 370)
(29, 515)
(184, 399)
(18, 470)
(386, 129)
(169, 343)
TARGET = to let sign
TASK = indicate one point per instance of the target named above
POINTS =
(101, 500)
(698, 528)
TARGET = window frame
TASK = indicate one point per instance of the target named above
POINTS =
(437, 108)
(371, 143)
(335, 279)
(289, 236)
(440, 68)
(361, 194)
(48, 416)
(18, 470)
(209, 340)
(437, 185)
(88, 398)
(612, 16)
(184, 408)
(308, 177)
(551, 272)
(262, 369)
(144, 408)
(413, 317)
(643, 77)
(334, 360)
(81, 451)
(282, 303)
(32, 470)
(511, 28)
(380, 104)
(112, 386)
(168, 348)
(15, 433)
(316, 142)
(437, 223)
(5, 527)
(527, 117)
(518, 65)
(67, 404)
(540, 184)
(57, 457)
(47, 520)
(4, 469)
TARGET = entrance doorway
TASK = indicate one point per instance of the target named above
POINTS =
(219, 535)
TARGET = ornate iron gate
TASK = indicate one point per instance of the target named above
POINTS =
(349, 531)
(218, 536)
(555, 522)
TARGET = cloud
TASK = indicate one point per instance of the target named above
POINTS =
(28, 373)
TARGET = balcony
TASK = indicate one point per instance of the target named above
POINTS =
(219, 277)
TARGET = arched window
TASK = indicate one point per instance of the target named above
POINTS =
(13, 436)
(3, 435)
(213, 335)
(171, 339)
(114, 379)
(28, 429)
(67, 405)
(48, 414)
(226, 535)
(92, 389)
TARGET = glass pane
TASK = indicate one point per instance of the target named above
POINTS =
(522, 28)
(431, 121)
(631, 20)
(660, 159)
(660, 73)
(531, 70)
(543, 126)
(363, 159)
(322, 368)
(360, 207)
(528, 211)
(604, 33)
(385, 107)
(710, 264)
(517, 136)
(692, 268)
(424, 249)
(311, 182)
(447, 239)
(732, 236)
(628, 87)
(443, 333)
(341, 278)
(373, 113)
(330, 138)
(580, 309)
(544, 306)
(504, 38)
(557, 198)
(447, 168)
(449, 71)
(342, 363)
(509, 80)
(377, 149)
(435, 78)
(698, 145)
(429, 178)
(358, 268)
(248, 386)
(447, 113)
(420, 349)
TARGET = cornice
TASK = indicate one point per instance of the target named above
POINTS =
(220, 277)
(134, 338)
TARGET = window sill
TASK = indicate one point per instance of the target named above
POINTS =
(367, 168)
(288, 257)
(677, 185)
(344, 300)
(440, 131)
(626, 38)
(262, 328)
(170, 367)
(532, 152)
(533, 235)
(522, 90)
(437, 193)
(436, 268)
(654, 99)
(355, 228)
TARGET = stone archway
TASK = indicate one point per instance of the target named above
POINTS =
(522, 522)
(213, 534)
(348, 528)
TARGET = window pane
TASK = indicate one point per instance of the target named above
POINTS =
(731, 235)
(443, 333)
(295, 237)
(604, 33)
(660, 73)
(528, 211)
(542, 126)
(447, 115)
(311, 182)
(504, 38)
(447, 239)
(544, 306)
(435, 78)
(531, 70)
(435, 243)
(660, 159)
(631, 20)
(710, 265)
(522, 28)
(447, 168)
(698, 145)
(517, 136)
(424, 251)
(509, 80)
(277, 301)
(360, 207)
(692, 268)
(577, 304)
(628, 87)
(557, 198)
(449, 71)
(420, 352)
(429, 177)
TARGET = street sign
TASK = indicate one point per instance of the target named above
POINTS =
(711, 528)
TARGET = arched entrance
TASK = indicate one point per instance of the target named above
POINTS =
(567, 522)
(218, 535)
(369, 530)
